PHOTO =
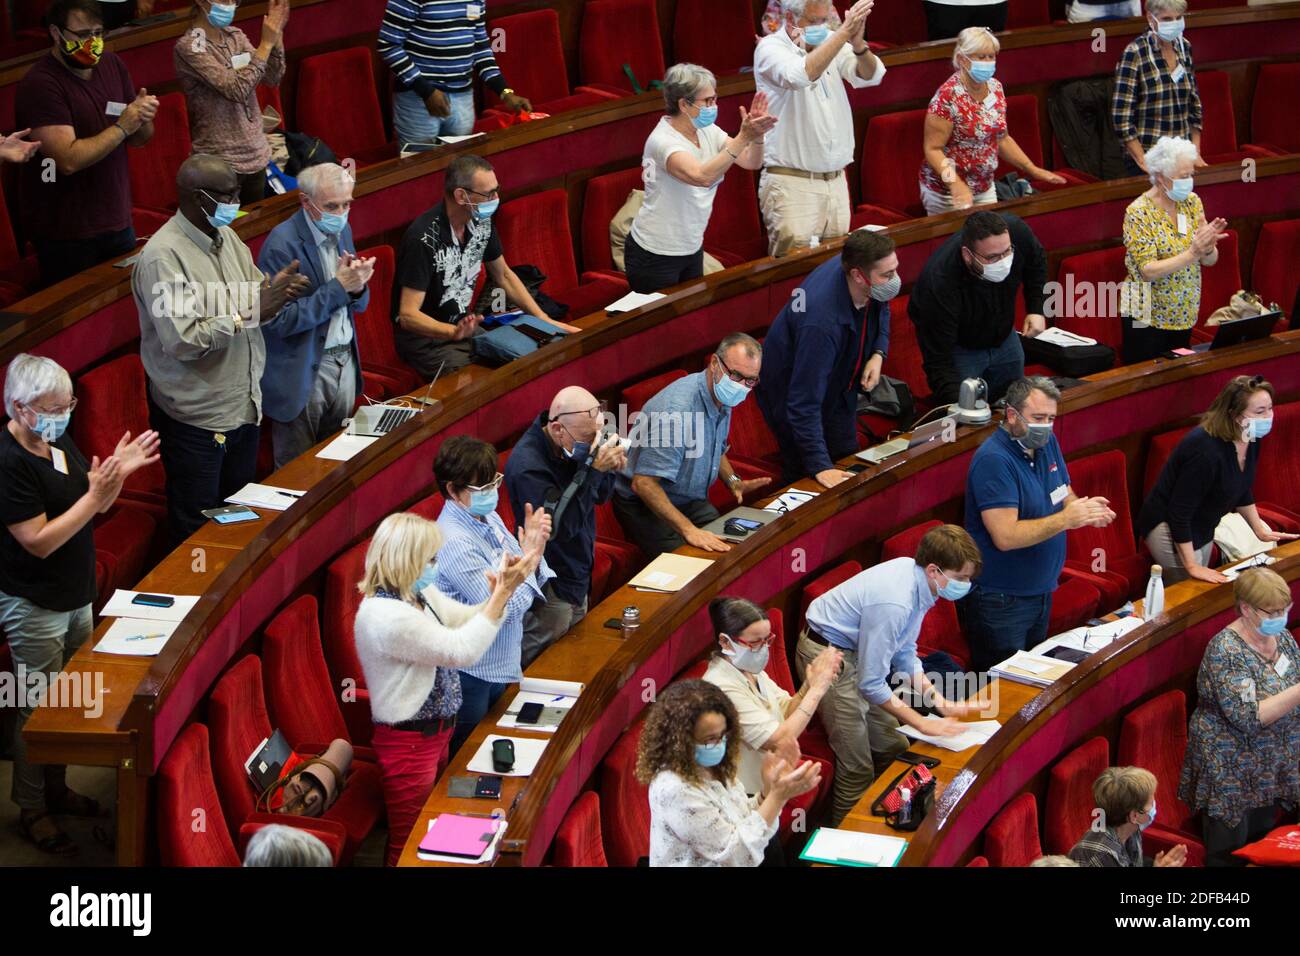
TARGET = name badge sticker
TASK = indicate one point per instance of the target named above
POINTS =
(1059, 493)
(1178, 74)
(473, 10)
(1282, 666)
(1182, 224)
(241, 60)
(59, 460)
(115, 109)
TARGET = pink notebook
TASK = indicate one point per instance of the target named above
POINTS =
(454, 835)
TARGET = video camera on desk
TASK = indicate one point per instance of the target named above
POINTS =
(971, 407)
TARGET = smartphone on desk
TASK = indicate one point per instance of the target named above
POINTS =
(908, 756)
(529, 713)
(154, 600)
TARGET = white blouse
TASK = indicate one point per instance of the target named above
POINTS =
(707, 824)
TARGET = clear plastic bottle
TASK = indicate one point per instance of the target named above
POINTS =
(905, 807)
(1153, 604)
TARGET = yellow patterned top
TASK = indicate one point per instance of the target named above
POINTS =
(1149, 236)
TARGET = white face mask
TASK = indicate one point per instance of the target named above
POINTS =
(998, 271)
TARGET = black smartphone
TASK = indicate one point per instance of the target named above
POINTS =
(614, 624)
(154, 600)
(914, 758)
(503, 755)
(489, 787)
(529, 713)
(856, 469)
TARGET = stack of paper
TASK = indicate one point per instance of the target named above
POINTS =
(633, 300)
(1090, 638)
(669, 572)
(136, 637)
(266, 497)
(1258, 561)
(1058, 336)
(346, 446)
(561, 694)
(489, 849)
(848, 848)
(975, 733)
(1032, 669)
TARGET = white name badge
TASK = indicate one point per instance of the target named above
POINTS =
(1282, 666)
(990, 101)
(115, 109)
(1178, 74)
(241, 60)
(59, 460)
(473, 10)
(1182, 224)
(1058, 495)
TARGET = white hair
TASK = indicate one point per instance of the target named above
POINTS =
(682, 82)
(1054, 860)
(1157, 7)
(1166, 154)
(974, 40)
(32, 377)
(797, 8)
(279, 845)
(316, 179)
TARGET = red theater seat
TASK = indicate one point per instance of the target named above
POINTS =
(534, 230)
(1074, 602)
(752, 439)
(577, 841)
(1125, 571)
(823, 583)
(891, 161)
(338, 102)
(616, 33)
(341, 602)
(1027, 13)
(940, 630)
(624, 802)
(1273, 272)
(1219, 132)
(1219, 283)
(153, 167)
(123, 544)
(1081, 277)
(1272, 117)
(893, 23)
(1158, 451)
(635, 396)
(716, 34)
(605, 196)
(1022, 122)
(1012, 838)
(532, 56)
(735, 231)
(386, 375)
(1153, 736)
(904, 359)
(1277, 478)
(1069, 794)
(111, 401)
(19, 273)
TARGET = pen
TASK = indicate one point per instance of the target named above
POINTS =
(143, 637)
(290, 494)
(554, 699)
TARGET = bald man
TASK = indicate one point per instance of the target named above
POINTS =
(201, 301)
(564, 464)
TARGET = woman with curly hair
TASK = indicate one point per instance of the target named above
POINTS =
(700, 814)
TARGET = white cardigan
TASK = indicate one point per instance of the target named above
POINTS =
(401, 648)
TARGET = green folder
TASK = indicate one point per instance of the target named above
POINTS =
(806, 855)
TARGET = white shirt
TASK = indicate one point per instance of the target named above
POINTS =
(674, 214)
(1079, 12)
(705, 825)
(814, 129)
(761, 711)
(327, 247)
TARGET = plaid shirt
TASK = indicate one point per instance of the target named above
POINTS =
(1103, 848)
(1148, 104)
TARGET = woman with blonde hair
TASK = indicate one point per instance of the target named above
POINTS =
(410, 640)
(1243, 742)
(700, 815)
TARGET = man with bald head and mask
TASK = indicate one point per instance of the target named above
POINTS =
(565, 464)
(201, 300)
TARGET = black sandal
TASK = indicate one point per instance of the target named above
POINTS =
(58, 844)
(74, 804)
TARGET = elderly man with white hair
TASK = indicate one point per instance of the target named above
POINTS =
(682, 166)
(1155, 87)
(1166, 240)
(313, 365)
(804, 191)
(50, 497)
(564, 463)
(280, 845)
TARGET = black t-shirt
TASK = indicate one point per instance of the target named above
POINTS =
(431, 259)
(1199, 484)
(65, 581)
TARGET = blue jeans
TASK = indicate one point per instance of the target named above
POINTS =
(998, 366)
(998, 624)
(412, 122)
(477, 698)
(41, 642)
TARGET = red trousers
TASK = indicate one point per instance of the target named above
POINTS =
(410, 763)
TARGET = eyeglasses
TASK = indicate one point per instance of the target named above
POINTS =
(97, 33)
(708, 101)
(994, 258)
(753, 645)
(1280, 612)
(487, 197)
(219, 198)
(65, 410)
(596, 412)
(736, 376)
(492, 485)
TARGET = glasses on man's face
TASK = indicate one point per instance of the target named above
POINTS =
(736, 376)
(96, 33)
(61, 410)
(219, 198)
(996, 257)
(486, 197)
(596, 412)
(492, 485)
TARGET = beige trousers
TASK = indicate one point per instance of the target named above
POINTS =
(796, 208)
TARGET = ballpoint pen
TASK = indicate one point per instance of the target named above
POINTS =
(144, 637)
(290, 494)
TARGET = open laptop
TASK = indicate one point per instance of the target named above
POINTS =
(1227, 334)
(924, 435)
(372, 421)
(744, 517)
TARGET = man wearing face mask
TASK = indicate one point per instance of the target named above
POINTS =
(1155, 87)
(438, 264)
(964, 304)
(1126, 797)
(802, 69)
(679, 446)
(313, 364)
(82, 108)
(565, 464)
(201, 300)
(874, 619)
(1019, 504)
(827, 344)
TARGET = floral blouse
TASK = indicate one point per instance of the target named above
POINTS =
(705, 825)
(977, 128)
(1150, 235)
(1233, 763)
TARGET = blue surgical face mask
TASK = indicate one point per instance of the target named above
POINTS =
(707, 116)
(746, 658)
(981, 71)
(710, 755)
(1272, 626)
(484, 210)
(1180, 190)
(1149, 820)
(225, 213)
(1170, 30)
(580, 451)
(51, 427)
(954, 590)
(482, 503)
(426, 577)
(330, 223)
(222, 14)
(1258, 427)
(816, 34)
(730, 393)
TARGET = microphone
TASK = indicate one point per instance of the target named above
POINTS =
(971, 408)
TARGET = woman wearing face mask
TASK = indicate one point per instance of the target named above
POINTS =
(220, 70)
(685, 159)
(700, 814)
(1126, 797)
(966, 131)
(476, 541)
(410, 639)
(768, 719)
(1167, 241)
(1209, 474)
(51, 495)
(1155, 87)
(1243, 741)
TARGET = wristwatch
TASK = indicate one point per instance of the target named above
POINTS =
(239, 322)
(507, 92)
(734, 480)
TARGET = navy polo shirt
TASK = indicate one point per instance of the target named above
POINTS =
(1003, 475)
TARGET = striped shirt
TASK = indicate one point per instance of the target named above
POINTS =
(469, 548)
(1148, 101)
(438, 45)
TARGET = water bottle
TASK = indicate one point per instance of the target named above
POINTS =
(1154, 603)
(905, 808)
(631, 620)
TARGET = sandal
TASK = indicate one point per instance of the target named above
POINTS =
(57, 843)
(75, 805)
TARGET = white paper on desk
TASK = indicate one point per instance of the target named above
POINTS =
(267, 497)
(556, 688)
(1258, 561)
(489, 851)
(791, 500)
(1090, 638)
(346, 446)
(1057, 336)
(528, 750)
(849, 846)
(119, 605)
(453, 140)
(509, 718)
(118, 638)
(658, 579)
(974, 733)
(633, 300)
